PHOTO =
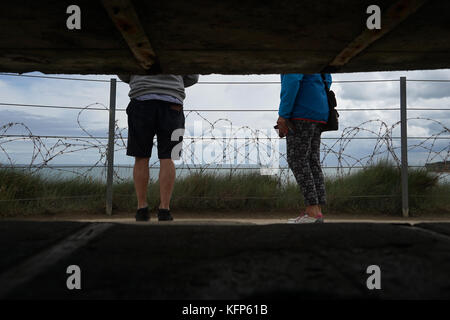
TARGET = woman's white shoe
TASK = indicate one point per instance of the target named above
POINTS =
(305, 219)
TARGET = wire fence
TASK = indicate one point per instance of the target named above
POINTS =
(236, 149)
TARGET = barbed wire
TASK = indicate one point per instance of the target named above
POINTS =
(200, 137)
(42, 155)
(252, 141)
(217, 109)
(239, 154)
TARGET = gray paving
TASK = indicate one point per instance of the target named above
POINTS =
(20, 239)
(225, 261)
(443, 228)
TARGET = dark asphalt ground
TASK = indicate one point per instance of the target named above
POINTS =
(241, 261)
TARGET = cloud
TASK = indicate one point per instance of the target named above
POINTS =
(224, 96)
(365, 92)
(65, 125)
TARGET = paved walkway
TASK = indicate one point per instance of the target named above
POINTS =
(224, 259)
(250, 221)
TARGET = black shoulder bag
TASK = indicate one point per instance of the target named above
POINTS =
(332, 123)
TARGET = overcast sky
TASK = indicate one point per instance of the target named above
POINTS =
(42, 121)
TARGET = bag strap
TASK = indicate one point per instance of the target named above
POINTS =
(327, 90)
(324, 83)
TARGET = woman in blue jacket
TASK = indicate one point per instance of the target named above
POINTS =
(303, 101)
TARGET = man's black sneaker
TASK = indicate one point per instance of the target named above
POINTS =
(164, 215)
(142, 214)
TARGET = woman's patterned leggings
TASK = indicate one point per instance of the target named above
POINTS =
(303, 156)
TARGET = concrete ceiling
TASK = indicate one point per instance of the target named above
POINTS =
(225, 37)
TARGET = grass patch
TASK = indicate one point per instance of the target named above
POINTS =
(377, 190)
(374, 190)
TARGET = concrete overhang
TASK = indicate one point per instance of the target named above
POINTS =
(225, 37)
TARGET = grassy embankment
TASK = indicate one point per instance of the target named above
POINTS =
(216, 192)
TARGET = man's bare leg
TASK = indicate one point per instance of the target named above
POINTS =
(141, 176)
(166, 182)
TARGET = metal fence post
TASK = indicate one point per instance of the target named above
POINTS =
(404, 147)
(110, 150)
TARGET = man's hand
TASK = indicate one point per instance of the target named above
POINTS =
(282, 127)
(190, 80)
(124, 77)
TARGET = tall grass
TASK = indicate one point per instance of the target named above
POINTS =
(374, 190)
(377, 189)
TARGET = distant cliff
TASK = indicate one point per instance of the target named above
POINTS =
(441, 166)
